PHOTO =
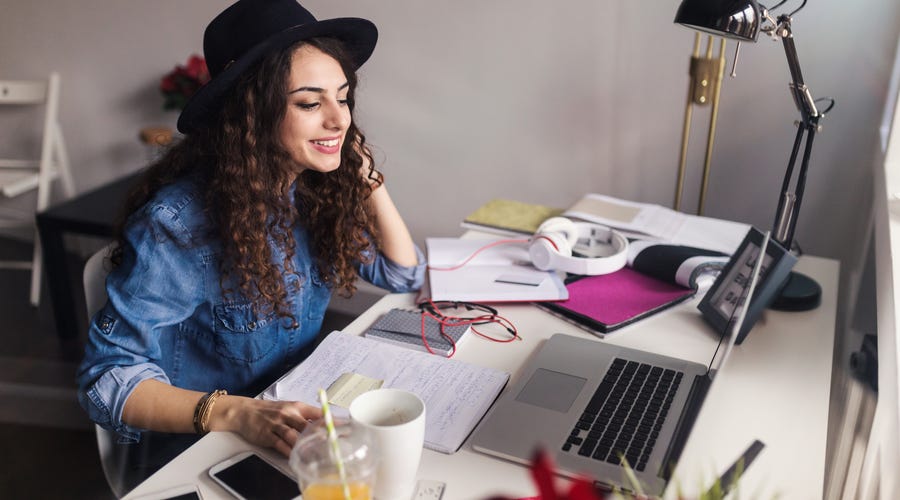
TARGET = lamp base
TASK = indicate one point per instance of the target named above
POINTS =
(799, 293)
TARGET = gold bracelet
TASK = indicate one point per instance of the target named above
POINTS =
(206, 411)
(198, 410)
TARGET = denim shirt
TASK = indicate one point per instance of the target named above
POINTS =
(168, 319)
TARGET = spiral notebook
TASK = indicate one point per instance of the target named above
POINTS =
(404, 328)
(605, 303)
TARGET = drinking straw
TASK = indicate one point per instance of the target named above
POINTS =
(333, 440)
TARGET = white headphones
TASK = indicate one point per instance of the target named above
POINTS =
(552, 244)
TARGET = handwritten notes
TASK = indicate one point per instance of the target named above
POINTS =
(456, 394)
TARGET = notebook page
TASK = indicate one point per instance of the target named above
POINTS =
(456, 394)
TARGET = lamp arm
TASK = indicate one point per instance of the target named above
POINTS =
(801, 182)
(787, 199)
(802, 97)
(789, 202)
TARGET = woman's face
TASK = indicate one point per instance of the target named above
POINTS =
(317, 117)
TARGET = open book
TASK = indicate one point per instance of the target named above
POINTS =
(456, 394)
(645, 221)
(654, 222)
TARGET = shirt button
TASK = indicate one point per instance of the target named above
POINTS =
(295, 325)
(252, 325)
(104, 324)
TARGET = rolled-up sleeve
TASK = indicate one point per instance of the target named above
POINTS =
(387, 274)
(155, 286)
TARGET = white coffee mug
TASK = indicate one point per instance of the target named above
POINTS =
(395, 419)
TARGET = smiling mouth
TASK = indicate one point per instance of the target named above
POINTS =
(328, 144)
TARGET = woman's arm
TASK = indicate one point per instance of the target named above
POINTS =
(158, 406)
(397, 244)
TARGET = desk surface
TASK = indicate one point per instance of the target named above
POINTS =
(93, 212)
(775, 388)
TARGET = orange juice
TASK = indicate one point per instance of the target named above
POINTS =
(332, 491)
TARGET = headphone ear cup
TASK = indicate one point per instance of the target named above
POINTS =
(560, 225)
(545, 249)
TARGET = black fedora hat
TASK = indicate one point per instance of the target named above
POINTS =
(248, 30)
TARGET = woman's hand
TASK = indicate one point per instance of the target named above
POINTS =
(273, 424)
(158, 406)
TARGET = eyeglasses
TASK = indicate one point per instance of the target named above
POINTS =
(484, 315)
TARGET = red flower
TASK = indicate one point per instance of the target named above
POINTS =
(542, 471)
(181, 83)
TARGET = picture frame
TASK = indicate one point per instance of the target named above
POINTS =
(719, 304)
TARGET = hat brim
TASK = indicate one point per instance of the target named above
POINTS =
(358, 35)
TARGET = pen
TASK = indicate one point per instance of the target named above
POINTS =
(728, 480)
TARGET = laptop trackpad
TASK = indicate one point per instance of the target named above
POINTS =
(551, 390)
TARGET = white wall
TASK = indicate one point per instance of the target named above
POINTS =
(537, 101)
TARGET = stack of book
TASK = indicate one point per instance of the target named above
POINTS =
(668, 252)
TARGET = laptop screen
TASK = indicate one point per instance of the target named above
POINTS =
(755, 267)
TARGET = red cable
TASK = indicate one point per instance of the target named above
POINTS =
(469, 258)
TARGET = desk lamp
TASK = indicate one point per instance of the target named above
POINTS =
(742, 20)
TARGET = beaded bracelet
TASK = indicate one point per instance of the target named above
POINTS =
(203, 410)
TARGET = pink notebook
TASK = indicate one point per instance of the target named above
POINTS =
(610, 301)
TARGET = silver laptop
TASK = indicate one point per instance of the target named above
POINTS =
(591, 404)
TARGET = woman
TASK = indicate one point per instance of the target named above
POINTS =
(237, 237)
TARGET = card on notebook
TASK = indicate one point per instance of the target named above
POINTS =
(404, 328)
(605, 303)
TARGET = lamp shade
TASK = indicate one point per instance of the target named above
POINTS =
(735, 19)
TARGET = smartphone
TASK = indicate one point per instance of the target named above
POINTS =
(248, 476)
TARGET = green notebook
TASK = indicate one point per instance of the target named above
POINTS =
(509, 217)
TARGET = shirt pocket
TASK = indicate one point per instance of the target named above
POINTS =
(317, 295)
(241, 334)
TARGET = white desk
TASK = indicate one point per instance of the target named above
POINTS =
(775, 388)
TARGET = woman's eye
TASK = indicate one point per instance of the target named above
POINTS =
(343, 102)
(307, 105)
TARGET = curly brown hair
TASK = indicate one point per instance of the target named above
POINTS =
(248, 176)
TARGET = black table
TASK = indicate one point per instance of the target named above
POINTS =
(92, 213)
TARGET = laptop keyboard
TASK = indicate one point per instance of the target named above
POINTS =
(625, 415)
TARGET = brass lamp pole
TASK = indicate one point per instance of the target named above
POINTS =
(704, 87)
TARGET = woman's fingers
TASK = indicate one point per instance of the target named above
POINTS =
(311, 412)
(277, 424)
(297, 415)
(283, 448)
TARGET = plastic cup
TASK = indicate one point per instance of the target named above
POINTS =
(316, 467)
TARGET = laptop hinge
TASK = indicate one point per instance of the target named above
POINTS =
(696, 397)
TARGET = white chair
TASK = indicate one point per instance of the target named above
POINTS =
(95, 297)
(19, 176)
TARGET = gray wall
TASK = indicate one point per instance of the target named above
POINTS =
(537, 101)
